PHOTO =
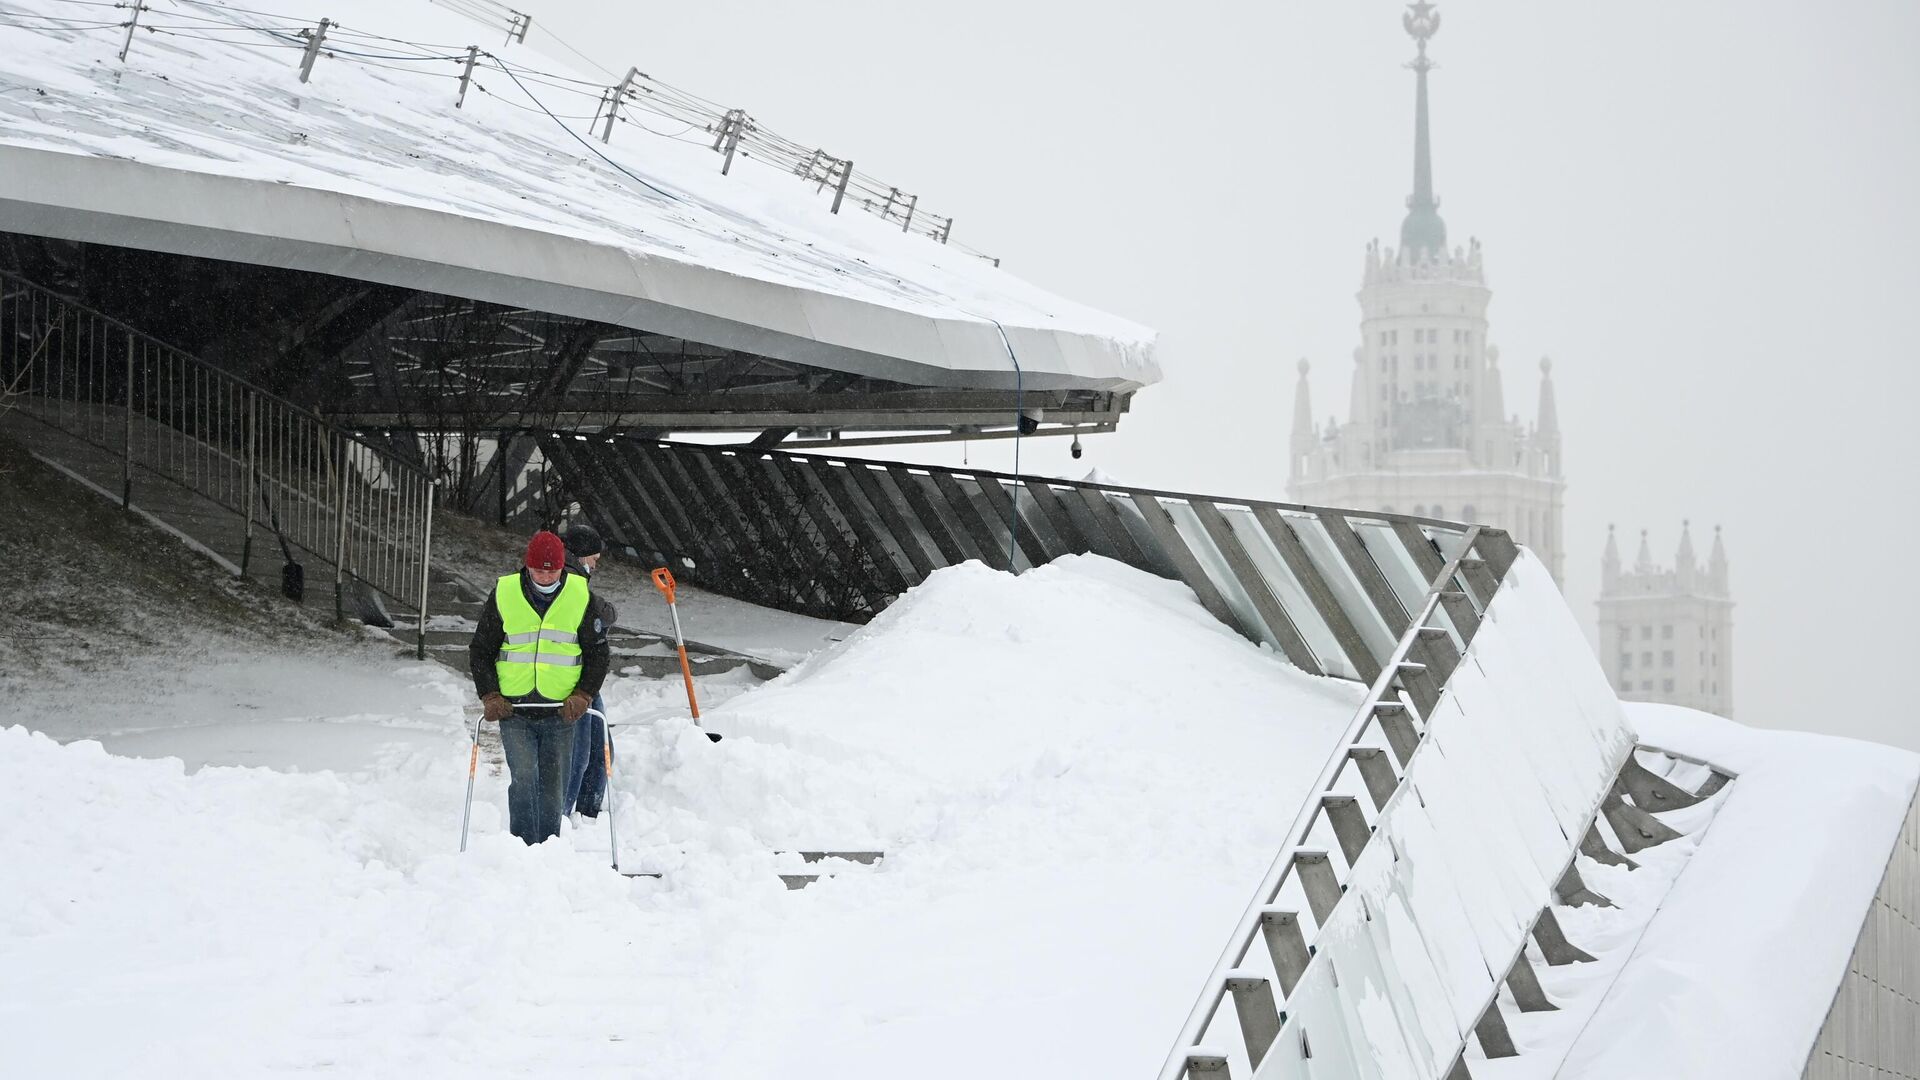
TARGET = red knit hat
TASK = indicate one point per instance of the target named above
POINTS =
(546, 552)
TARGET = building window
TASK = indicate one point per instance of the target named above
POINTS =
(1383, 337)
(1666, 686)
(1626, 661)
(1666, 632)
(1646, 686)
(1646, 633)
(1627, 635)
(1386, 509)
(1467, 513)
(1646, 659)
(1420, 510)
(1666, 658)
(1439, 513)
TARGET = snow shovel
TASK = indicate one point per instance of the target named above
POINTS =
(663, 580)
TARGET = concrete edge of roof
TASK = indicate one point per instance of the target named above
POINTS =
(128, 203)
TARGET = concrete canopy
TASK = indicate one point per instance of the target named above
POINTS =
(213, 148)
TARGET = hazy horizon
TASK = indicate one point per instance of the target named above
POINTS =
(1698, 211)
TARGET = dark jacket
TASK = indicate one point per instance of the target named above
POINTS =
(490, 635)
(596, 604)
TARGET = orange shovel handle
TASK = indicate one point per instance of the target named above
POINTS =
(663, 580)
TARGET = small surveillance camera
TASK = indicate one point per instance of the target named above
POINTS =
(1076, 448)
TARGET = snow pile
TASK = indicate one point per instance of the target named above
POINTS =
(1611, 935)
(1736, 971)
(1077, 776)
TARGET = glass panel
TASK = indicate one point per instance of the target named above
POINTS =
(1409, 583)
(1287, 589)
(1346, 588)
(1215, 566)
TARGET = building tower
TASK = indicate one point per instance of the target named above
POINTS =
(1667, 635)
(1427, 431)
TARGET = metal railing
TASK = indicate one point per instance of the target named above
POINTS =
(1421, 911)
(1386, 714)
(729, 132)
(284, 472)
(1331, 590)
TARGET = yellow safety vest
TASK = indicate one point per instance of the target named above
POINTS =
(540, 654)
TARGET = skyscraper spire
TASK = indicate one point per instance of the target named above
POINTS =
(1303, 433)
(1422, 234)
(1643, 562)
(1610, 563)
(1685, 565)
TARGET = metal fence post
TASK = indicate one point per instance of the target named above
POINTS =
(314, 41)
(426, 554)
(133, 23)
(340, 544)
(731, 131)
(613, 106)
(466, 75)
(846, 174)
(126, 436)
(253, 478)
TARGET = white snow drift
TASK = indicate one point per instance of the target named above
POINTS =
(1076, 776)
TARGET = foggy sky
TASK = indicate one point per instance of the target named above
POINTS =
(1705, 213)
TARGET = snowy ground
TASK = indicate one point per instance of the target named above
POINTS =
(1048, 762)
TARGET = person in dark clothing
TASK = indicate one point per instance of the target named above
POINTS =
(587, 779)
(537, 659)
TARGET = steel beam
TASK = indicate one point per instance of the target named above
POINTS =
(951, 544)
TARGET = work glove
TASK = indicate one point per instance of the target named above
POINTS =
(495, 708)
(575, 706)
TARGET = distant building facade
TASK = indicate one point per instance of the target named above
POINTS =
(1667, 635)
(1427, 430)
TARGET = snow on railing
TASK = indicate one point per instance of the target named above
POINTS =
(733, 132)
(1426, 911)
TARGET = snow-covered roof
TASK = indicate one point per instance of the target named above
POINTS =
(1734, 973)
(204, 142)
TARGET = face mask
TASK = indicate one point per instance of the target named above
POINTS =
(545, 590)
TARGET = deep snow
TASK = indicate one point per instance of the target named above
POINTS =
(1077, 776)
(1735, 973)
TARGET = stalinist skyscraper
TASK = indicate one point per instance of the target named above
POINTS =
(1427, 431)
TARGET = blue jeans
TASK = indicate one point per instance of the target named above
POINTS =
(587, 780)
(538, 749)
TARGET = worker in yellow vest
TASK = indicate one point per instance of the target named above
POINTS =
(537, 659)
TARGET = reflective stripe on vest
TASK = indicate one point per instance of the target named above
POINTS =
(540, 653)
